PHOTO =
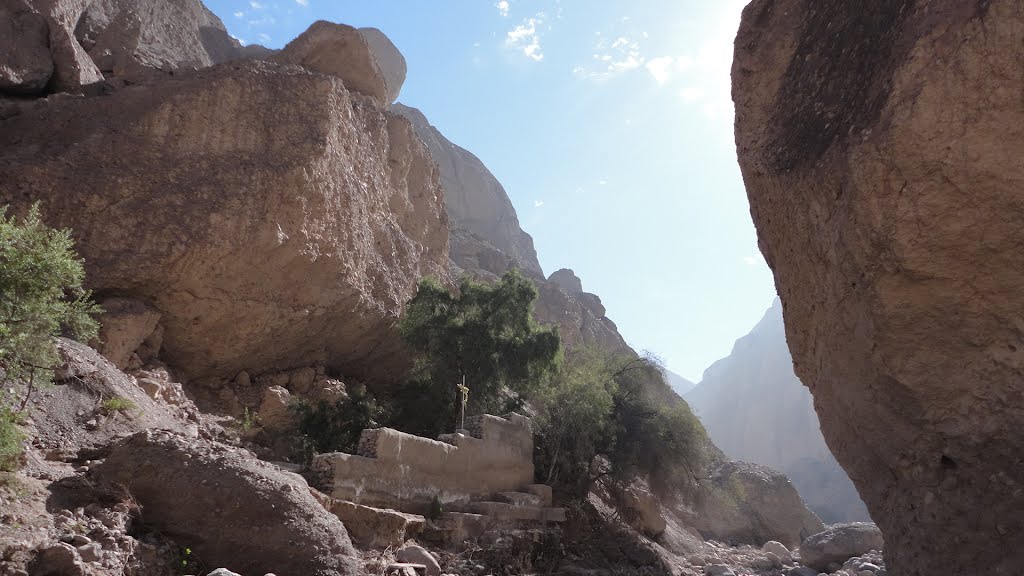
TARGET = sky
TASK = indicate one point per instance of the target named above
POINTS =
(610, 126)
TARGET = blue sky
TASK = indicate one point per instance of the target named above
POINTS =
(609, 124)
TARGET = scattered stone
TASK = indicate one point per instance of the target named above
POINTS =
(91, 552)
(414, 554)
(718, 570)
(58, 559)
(779, 550)
(839, 543)
(802, 571)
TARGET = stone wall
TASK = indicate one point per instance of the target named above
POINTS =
(397, 470)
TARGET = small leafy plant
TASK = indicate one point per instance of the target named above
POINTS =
(117, 404)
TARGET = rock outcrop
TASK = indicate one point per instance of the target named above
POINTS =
(26, 66)
(756, 410)
(474, 198)
(390, 61)
(749, 503)
(251, 204)
(228, 507)
(881, 153)
(341, 51)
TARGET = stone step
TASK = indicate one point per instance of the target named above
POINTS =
(542, 491)
(377, 527)
(519, 499)
(506, 511)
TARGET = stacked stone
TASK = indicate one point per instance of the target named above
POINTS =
(368, 443)
(321, 473)
(475, 426)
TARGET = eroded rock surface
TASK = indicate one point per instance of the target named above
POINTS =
(252, 204)
(228, 507)
(26, 66)
(341, 51)
(390, 61)
(881, 154)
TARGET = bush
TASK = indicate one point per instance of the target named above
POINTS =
(117, 404)
(611, 417)
(485, 334)
(11, 439)
(41, 296)
(336, 427)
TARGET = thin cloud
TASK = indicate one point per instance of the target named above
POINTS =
(239, 14)
(264, 37)
(526, 38)
(751, 260)
(538, 203)
(660, 68)
(502, 7)
(256, 5)
(611, 59)
(302, 2)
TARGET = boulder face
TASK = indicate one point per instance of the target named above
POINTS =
(342, 51)
(756, 410)
(228, 507)
(26, 66)
(250, 204)
(390, 61)
(881, 154)
(474, 198)
(127, 36)
(840, 542)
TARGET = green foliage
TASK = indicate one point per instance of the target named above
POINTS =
(41, 296)
(611, 417)
(11, 438)
(117, 404)
(485, 333)
(248, 421)
(336, 427)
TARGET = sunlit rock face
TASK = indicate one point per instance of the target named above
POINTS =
(881, 150)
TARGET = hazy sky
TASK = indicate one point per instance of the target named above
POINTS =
(609, 124)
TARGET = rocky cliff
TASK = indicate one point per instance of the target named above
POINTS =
(881, 151)
(250, 204)
(756, 410)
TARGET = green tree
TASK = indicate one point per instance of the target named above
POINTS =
(485, 333)
(41, 296)
(613, 418)
(336, 427)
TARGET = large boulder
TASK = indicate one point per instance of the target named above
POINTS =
(252, 204)
(228, 507)
(73, 70)
(124, 37)
(839, 543)
(881, 150)
(25, 61)
(390, 61)
(342, 51)
(747, 503)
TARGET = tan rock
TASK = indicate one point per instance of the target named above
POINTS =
(126, 37)
(376, 527)
(25, 61)
(390, 61)
(275, 413)
(73, 70)
(255, 205)
(228, 507)
(341, 51)
(124, 325)
(881, 154)
(474, 199)
(646, 516)
(839, 543)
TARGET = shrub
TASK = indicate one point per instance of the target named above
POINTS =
(336, 427)
(41, 295)
(117, 404)
(611, 417)
(485, 334)
(11, 439)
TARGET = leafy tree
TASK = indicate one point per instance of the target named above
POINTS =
(41, 296)
(485, 333)
(611, 417)
(336, 427)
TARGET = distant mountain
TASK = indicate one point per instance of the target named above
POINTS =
(679, 384)
(756, 409)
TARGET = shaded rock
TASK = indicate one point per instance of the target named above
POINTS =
(802, 571)
(25, 62)
(60, 559)
(126, 37)
(839, 543)
(414, 554)
(274, 412)
(881, 155)
(341, 51)
(647, 515)
(567, 280)
(73, 70)
(751, 504)
(390, 61)
(228, 507)
(124, 325)
(255, 204)
(780, 551)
